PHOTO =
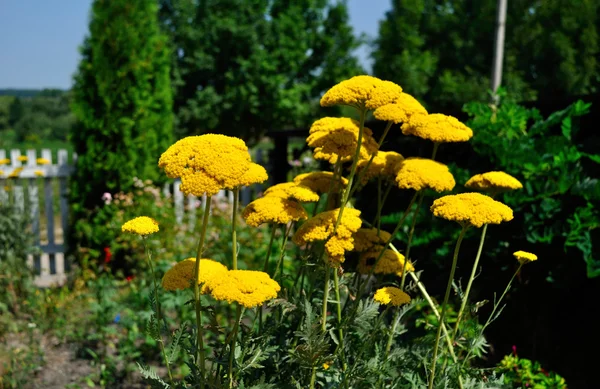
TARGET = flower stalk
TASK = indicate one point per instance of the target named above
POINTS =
(236, 200)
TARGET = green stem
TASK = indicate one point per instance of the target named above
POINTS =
(236, 200)
(158, 312)
(282, 254)
(266, 265)
(444, 305)
(491, 317)
(233, 341)
(336, 284)
(198, 305)
(313, 377)
(380, 209)
(325, 298)
(436, 145)
(388, 346)
(378, 217)
(410, 237)
(387, 244)
(470, 283)
(346, 197)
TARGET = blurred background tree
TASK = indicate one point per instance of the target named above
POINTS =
(244, 67)
(122, 100)
(442, 51)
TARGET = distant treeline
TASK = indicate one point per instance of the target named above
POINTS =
(32, 115)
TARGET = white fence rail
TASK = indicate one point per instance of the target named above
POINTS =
(42, 182)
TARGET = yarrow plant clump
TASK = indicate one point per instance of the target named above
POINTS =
(287, 331)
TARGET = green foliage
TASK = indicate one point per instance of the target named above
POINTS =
(245, 67)
(523, 373)
(442, 51)
(122, 101)
(543, 152)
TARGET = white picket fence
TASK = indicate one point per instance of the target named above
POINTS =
(51, 265)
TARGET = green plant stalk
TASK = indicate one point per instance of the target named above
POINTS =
(436, 145)
(387, 244)
(363, 171)
(491, 317)
(410, 237)
(158, 313)
(238, 314)
(198, 305)
(346, 197)
(313, 377)
(470, 283)
(444, 305)
(325, 298)
(282, 254)
(388, 346)
(236, 200)
(380, 208)
(268, 256)
(336, 284)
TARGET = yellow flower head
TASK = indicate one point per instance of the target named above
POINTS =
(362, 91)
(524, 257)
(181, 275)
(338, 137)
(246, 287)
(256, 174)
(15, 173)
(22, 158)
(39, 173)
(320, 182)
(142, 226)
(291, 190)
(322, 225)
(401, 111)
(4, 161)
(391, 295)
(472, 208)
(326, 366)
(207, 163)
(1, 172)
(271, 209)
(385, 164)
(437, 128)
(493, 182)
(422, 173)
(366, 239)
(42, 161)
(390, 263)
(336, 248)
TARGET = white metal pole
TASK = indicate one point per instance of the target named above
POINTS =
(499, 46)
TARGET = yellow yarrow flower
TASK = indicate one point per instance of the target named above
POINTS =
(366, 239)
(320, 182)
(1, 172)
(181, 275)
(291, 190)
(390, 263)
(4, 161)
(321, 227)
(273, 209)
(15, 173)
(494, 182)
(392, 296)
(39, 173)
(255, 174)
(401, 111)
(246, 287)
(437, 128)
(385, 164)
(524, 257)
(338, 137)
(421, 173)
(207, 163)
(362, 92)
(22, 158)
(42, 161)
(142, 226)
(475, 209)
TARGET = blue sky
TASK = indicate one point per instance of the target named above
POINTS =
(39, 39)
